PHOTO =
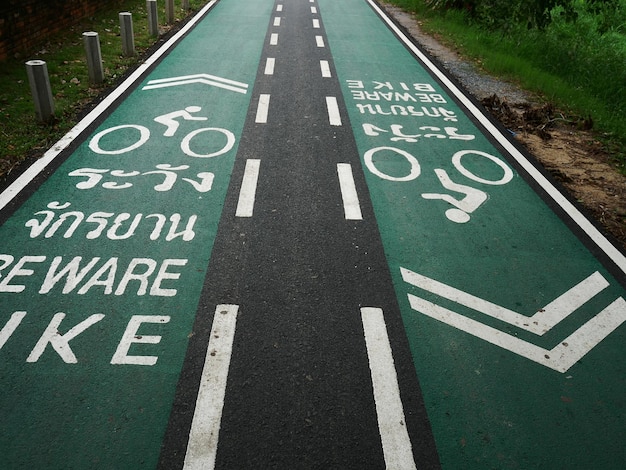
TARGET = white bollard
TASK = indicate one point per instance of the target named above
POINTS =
(153, 21)
(126, 31)
(94, 57)
(39, 81)
(169, 11)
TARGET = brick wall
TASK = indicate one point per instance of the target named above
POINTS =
(25, 24)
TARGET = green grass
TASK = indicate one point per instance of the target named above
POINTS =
(580, 70)
(21, 135)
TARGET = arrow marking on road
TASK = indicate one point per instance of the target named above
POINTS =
(561, 357)
(540, 323)
(203, 78)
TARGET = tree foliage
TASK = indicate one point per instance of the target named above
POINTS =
(506, 15)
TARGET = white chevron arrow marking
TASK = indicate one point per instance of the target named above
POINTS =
(540, 323)
(204, 78)
(561, 357)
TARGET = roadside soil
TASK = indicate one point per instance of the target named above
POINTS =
(565, 145)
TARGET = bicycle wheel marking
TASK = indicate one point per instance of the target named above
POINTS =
(101, 269)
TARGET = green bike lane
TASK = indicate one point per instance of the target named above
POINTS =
(515, 326)
(102, 267)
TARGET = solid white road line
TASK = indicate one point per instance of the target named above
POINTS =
(269, 66)
(351, 206)
(333, 111)
(262, 109)
(397, 448)
(247, 193)
(205, 426)
(319, 40)
(274, 39)
(325, 69)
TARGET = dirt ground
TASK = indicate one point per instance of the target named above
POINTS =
(572, 155)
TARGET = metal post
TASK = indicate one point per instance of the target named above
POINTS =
(126, 31)
(169, 11)
(153, 21)
(39, 81)
(94, 57)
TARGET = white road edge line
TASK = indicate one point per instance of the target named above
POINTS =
(325, 67)
(397, 448)
(319, 40)
(31, 173)
(262, 109)
(600, 240)
(351, 206)
(247, 193)
(205, 426)
(269, 66)
(333, 111)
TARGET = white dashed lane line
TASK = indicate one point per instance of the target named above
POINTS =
(247, 193)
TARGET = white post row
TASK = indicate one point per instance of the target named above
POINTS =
(169, 11)
(153, 22)
(39, 81)
(126, 32)
(94, 57)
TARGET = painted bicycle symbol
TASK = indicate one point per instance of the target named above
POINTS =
(472, 198)
(217, 141)
(171, 123)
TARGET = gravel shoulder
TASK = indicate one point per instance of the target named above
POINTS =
(574, 157)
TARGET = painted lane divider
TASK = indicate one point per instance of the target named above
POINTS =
(274, 39)
(277, 21)
(262, 109)
(313, 10)
(560, 358)
(205, 426)
(269, 66)
(351, 206)
(279, 7)
(397, 448)
(319, 40)
(325, 68)
(247, 193)
(316, 23)
(204, 78)
(334, 117)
